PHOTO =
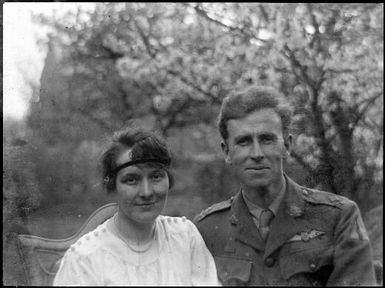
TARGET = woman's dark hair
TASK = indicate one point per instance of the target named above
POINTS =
(145, 146)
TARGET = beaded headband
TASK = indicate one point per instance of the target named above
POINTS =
(164, 161)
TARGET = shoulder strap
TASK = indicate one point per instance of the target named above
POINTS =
(214, 208)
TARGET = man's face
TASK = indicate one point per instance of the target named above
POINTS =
(256, 148)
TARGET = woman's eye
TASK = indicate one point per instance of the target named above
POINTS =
(157, 176)
(130, 180)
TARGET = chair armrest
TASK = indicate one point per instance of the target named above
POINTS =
(41, 256)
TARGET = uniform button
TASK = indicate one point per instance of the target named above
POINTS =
(312, 266)
(305, 192)
(233, 220)
(269, 261)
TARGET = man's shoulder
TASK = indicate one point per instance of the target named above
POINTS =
(319, 197)
(215, 208)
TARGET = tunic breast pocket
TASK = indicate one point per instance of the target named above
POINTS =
(312, 259)
(233, 271)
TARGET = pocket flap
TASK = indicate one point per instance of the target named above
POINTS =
(307, 261)
(233, 268)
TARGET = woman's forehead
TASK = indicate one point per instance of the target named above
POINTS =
(142, 168)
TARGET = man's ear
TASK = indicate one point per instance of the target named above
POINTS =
(288, 141)
(225, 150)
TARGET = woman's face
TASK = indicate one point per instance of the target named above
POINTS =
(142, 189)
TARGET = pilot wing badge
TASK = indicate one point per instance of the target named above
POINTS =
(306, 236)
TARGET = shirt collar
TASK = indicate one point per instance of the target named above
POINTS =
(273, 207)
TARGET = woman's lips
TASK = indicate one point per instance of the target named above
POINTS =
(146, 204)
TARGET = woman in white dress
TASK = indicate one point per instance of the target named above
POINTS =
(138, 246)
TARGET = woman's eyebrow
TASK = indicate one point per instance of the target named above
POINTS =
(130, 174)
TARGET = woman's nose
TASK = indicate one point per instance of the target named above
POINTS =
(146, 189)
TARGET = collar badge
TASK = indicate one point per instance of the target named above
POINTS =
(295, 211)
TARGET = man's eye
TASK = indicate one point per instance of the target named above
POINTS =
(243, 141)
(267, 139)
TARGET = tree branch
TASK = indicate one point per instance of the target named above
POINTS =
(324, 144)
(189, 83)
(264, 14)
(312, 18)
(172, 72)
(367, 105)
(145, 40)
(204, 14)
(347, 70)
(297, 67)
(174, 114)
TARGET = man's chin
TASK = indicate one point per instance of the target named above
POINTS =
(256, 183)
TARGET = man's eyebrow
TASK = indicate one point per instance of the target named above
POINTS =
(240, 136)
(267, 134)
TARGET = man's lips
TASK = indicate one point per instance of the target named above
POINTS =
(257, 168)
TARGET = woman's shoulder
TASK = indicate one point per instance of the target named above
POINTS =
(91, 241)
(176, 225)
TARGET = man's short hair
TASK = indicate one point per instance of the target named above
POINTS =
(241, 103)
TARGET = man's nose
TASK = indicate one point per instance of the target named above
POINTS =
(146, 189)
(256, 151)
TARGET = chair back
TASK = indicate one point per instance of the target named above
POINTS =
(41, 256)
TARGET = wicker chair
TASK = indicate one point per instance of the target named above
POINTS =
(41, 256)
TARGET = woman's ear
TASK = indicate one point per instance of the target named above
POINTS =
(171, 179)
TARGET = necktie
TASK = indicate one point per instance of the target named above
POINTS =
(264, 222)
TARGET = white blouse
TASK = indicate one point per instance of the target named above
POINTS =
(178, 256)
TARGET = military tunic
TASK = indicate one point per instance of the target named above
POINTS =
(316, 239)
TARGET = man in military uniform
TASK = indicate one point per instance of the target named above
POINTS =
(274, 231)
